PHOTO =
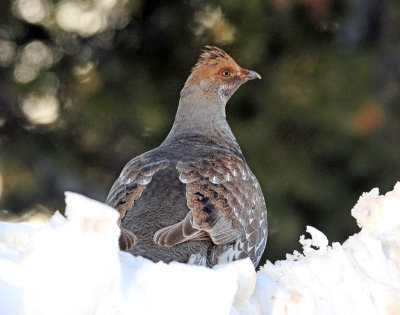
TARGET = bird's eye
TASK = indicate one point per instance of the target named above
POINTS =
(225, 73)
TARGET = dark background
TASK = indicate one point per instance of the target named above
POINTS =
(86, 86)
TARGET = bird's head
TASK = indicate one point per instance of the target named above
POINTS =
(216, 73)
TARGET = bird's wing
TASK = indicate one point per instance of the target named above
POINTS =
(225, 200)
(128, 188)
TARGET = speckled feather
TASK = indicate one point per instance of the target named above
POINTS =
(226, 201)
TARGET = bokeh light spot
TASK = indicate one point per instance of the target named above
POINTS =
(37, 54)
(41, 109)
(212, 21)
(80, 18)
(32, 11)
(7, 52)
(24, 73)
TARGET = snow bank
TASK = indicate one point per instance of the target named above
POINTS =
(72, 265)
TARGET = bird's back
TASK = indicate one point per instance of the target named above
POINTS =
(164, 201)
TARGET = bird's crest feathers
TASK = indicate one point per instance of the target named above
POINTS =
(211, 56)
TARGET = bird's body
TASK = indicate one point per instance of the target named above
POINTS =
(194, 199)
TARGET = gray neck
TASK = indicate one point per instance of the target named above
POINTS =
(201, 114)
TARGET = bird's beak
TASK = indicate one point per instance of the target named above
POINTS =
(249, 75)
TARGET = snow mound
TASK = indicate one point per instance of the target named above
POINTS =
(362, 276)
(72, 265)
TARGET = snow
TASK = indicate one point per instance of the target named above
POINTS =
(72, 265)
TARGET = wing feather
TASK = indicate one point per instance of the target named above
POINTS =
(225, 199)
(128, 188)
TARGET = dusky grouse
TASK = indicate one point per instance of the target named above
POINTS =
(194, 199)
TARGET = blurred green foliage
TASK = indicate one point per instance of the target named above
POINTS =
(87, 85)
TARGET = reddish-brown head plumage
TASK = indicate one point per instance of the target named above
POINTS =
(220, 68)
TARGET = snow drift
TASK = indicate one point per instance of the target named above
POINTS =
(72, 265)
